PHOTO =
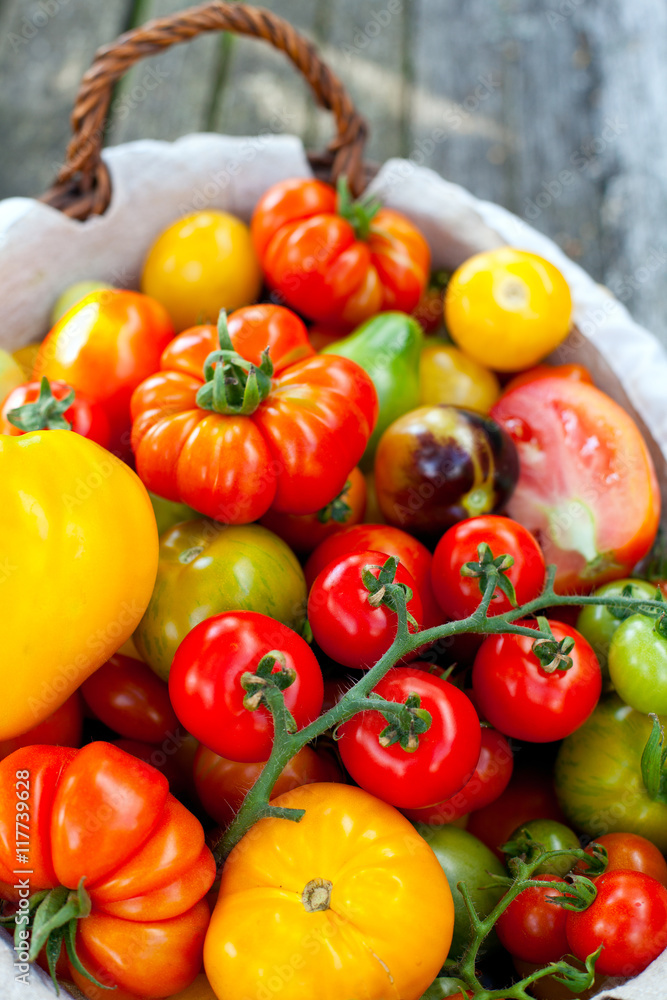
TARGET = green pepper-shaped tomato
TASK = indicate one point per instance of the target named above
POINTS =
(388, 347)
(206, 568)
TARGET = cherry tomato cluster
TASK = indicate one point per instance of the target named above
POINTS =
(324, 480)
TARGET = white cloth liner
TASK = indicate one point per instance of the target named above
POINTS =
(154, 183)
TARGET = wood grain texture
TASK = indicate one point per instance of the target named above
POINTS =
(552, 108)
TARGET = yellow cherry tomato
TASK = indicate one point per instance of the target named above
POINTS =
(202, 264)
(349, 902)
(78, 558)
(507, 308)
(447, 375)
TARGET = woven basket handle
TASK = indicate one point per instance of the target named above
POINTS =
(83, 188)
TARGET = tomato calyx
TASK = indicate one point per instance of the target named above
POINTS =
(232, 385)
(316, 895)
(552, 654)
(51, 918)
(338, 510)
(653, 762)
(266, 685)
(359, 213)
(46, 413)
(488, 567)
(406, 725)
(382, 589)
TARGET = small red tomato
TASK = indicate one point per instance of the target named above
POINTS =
(130, 698)
(173, 758)
(223, 784)
(62, 728)
(522, 699)
(47, 405)
(343, 615)
(437, 767)
(490, 779)
(532, 928)
(459, 595)
(205, 682)
(628, 917)
(630, 852)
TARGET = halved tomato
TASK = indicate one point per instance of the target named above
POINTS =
(587, 487)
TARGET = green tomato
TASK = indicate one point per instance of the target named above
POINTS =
(464, 858)
(167, 513)
(598, 777)
(598, 623)
(638, 664)
(205, 568)
(11, 374)
(441, 988)
(553, 836)
(73, 294)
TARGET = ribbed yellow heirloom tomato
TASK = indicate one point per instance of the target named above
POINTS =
(78, 558)
(349, 903)
(507, 309)
(201, 264)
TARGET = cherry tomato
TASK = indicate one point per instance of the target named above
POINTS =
(587, 488)
(630, 852)
(598, 622)
(205, 682)
(507, 308)
(84, 417)
(438, 465)
(450, 377)
(312, 254)
(459, 595)
(628, 917)
(223, 784)
(304, 532)
(201, 264)
(638, 663)
(577, 373)
(62, 728)
(103, 347)
(552, 836)
(532, 928)
(519, 697)
(345, 621)
(489, 780)
(126, 695)
(413, 555)
(444, 758)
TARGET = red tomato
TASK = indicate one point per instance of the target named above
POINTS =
(130, 698)
(223, 784)
(630, 852)
(576, 373)
(84, 417)
(102, 815)
(459, 595)
(529, 795)
(532, 928)
(414, 556)
(103, 347)
(173, 757)
(348, 627)
(442, 762)
(316, 260)
(304, 532)
(490, 779)
(628, 917)
(587, 488)
(62, 728)
(205, 682)
(293, 452)
(523, 700)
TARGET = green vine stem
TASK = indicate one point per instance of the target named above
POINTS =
(286, 744)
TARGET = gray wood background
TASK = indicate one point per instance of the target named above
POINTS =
(553, 108)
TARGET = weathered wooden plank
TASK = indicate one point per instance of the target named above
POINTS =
(45, 47)
(168, 95)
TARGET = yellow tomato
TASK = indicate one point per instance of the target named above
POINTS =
(507, 308)
(11, 374)
(447, 375)
(349, 902)
(25, 358)
(202, 264)
(78, 558)
(199, 989)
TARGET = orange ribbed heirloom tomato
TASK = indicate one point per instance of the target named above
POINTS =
(126, 863)
(348, 902)
(249, 417)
